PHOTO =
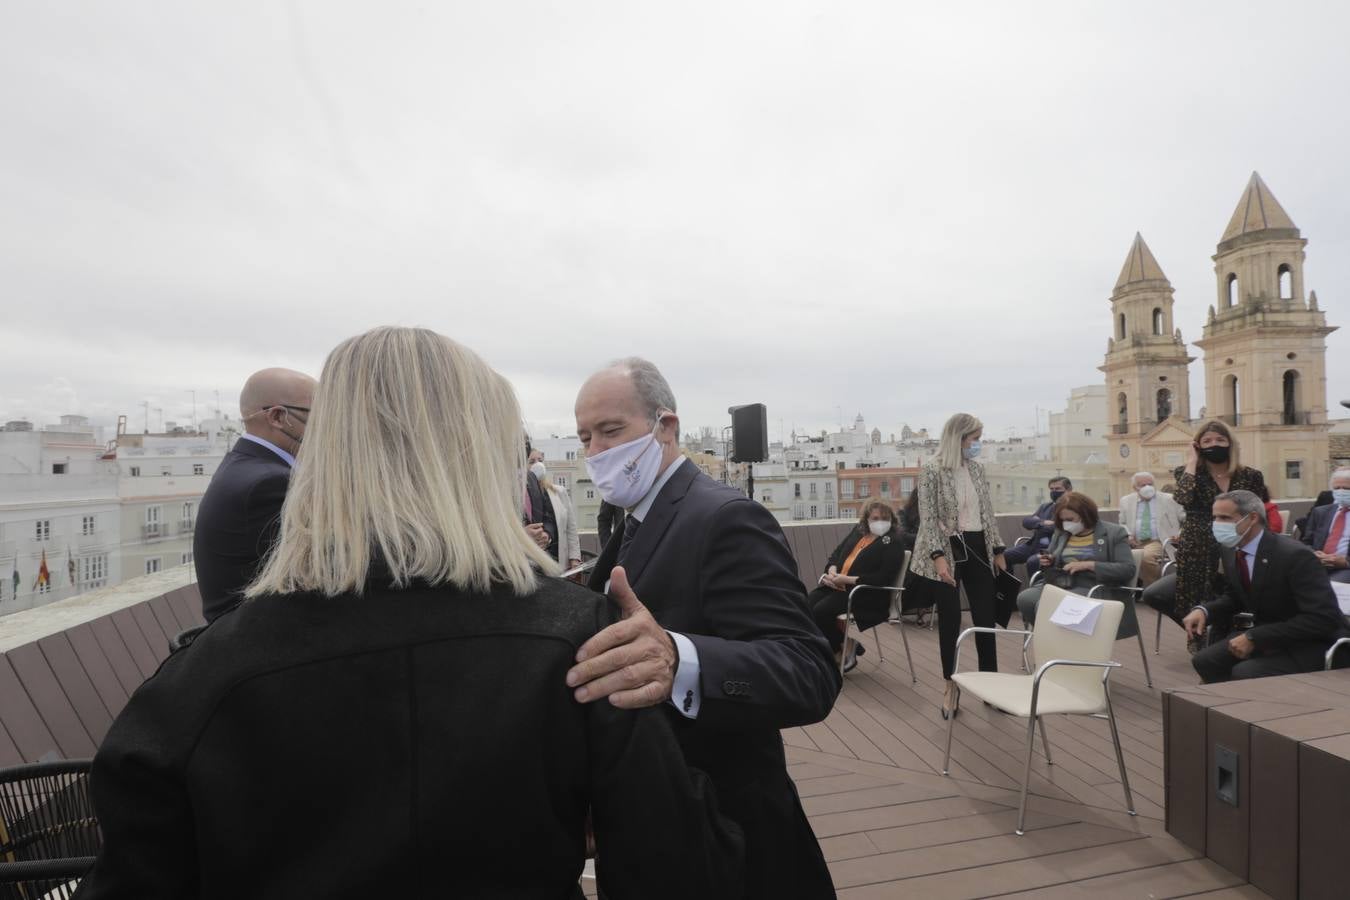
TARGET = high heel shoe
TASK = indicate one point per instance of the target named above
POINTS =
(950, 701)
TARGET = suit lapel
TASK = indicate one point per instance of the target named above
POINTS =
(1260, 565)
(658, 519)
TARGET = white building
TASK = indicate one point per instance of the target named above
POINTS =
(1078, 434)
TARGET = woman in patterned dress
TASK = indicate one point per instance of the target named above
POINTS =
(1212, 468)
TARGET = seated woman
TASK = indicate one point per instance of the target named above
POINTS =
(871, 554)
(1083, 553)
(386, 715)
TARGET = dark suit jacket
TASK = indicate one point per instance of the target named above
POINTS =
(1318, 526)
(237, 523)
(541, 512)
(405, 743)
(1040, 532)
(714, 566)
(1291, 598)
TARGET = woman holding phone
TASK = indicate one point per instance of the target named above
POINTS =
(1212, 467)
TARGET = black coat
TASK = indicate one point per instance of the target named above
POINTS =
(713, 565)
(541, 512)
(1291, 597)
(408, 743)
(237, 523)
(1318, 527)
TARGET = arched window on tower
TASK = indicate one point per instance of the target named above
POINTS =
(1232, 400)
(1157, 321)
(1164, 404)
(1120, 327)
(1286, 277)
(1123, 414)
(1232, 299)
(1292, 414)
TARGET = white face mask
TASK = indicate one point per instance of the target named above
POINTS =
(624, 474)
(879, 527)
(1074, 528)
(538, 469)
(1341, 496)
(1147, 492)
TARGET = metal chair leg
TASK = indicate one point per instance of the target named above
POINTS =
(1157, 634)
(904, 638)
(1045, 742)
(1026, 776)
(951, 726)
(876, 633)
(1120, 756)
(1143, 654)
(1026, 642)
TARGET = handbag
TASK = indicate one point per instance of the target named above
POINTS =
(1006, 588)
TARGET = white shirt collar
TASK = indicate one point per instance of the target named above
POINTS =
(644, 505)
(290, 460)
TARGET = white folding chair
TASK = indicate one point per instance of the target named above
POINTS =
(1072, 680)
(896, 588)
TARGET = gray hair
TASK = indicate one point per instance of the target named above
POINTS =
(1246, 503)
(1342, 472)
(652, 390)
(1134, 479)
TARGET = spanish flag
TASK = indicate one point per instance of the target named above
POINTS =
(44, 576)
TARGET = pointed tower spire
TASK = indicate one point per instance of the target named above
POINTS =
(1258, 210)
(1139, 265)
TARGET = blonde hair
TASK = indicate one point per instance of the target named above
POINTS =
(414, 455)
(956, 430)
(1219, 428)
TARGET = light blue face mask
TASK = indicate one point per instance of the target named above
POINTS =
(972, 451)
(1226, 533)
(1341, 496)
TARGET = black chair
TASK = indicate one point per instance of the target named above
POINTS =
(49, 833)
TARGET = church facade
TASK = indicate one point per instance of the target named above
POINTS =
(1264, 357)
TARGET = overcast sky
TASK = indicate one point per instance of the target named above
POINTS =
(899, 209)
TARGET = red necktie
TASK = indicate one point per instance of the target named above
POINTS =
(1337, 529)
(1243, 571)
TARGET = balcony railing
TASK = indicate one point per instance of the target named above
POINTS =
(186, 526)
(1296, 418)
(1120, 428)
(151, 532)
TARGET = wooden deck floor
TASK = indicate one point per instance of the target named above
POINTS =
(891, 825)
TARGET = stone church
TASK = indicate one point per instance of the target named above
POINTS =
(1264, 346)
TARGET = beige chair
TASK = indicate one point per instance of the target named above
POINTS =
(897, 588)
(1071, 678)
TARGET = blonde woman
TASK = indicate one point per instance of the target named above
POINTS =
(958, 543)
(386, 713)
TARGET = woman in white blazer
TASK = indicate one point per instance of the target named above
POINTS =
(569, 544)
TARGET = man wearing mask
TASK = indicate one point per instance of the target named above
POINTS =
(1277, 611)
(540, 519)
(1327, 531)
(1151, 517)
(728, 646)
(240, 512)
(1041, 524)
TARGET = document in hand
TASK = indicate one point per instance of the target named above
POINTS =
(1342, 596)
(1077, 614)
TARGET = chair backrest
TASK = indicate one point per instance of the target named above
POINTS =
(904, 570)
(1053, 641)
(46, 811)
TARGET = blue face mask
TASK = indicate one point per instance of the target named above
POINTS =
(972, 451)
(1341, 496)
(1226, 533)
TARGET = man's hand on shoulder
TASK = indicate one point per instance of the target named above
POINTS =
(632, 662)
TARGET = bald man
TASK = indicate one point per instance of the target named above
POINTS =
(238, 517)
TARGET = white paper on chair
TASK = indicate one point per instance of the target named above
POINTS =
(1342, 596)
(1077, 614)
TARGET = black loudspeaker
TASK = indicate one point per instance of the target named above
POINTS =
(749, 433)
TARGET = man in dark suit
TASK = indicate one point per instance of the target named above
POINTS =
(1277, 609)
(1327, 530)
(541, 522)
(1041, 524)
(239, 515)
(721, 635)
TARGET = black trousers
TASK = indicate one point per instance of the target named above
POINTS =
(971, 565)
(1216, 663)
(1162, 596)
(827, 605)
